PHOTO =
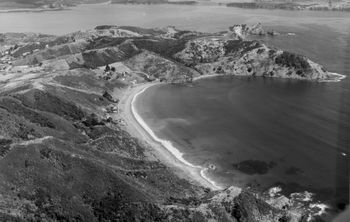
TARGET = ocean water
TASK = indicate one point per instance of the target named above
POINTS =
(261, 133)
(196, 17)
(299, 130)
(255, 132)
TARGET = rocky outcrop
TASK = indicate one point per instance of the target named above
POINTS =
(241, 31)
(232, 204)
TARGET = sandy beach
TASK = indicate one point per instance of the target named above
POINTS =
(160, 149)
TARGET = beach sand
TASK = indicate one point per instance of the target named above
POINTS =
(159, 149)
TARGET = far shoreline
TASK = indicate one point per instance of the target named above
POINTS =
(34, 10)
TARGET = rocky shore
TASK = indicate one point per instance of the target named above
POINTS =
(70, 148)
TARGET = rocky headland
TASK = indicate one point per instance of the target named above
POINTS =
(69, 150)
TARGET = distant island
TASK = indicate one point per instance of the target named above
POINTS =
(314, 5)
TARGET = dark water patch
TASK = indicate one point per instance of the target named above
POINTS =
(293, 171)
(251, 167)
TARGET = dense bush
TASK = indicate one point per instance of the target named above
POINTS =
(15, 107)
(92, 120)
(239, 46)
(4, 146)
(292, 60)
(46, 102)
(164, 47)
(105, 41)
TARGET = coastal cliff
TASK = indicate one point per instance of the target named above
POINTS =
(66, 152)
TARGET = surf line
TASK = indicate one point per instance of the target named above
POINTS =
(167, 144)
(339, 77)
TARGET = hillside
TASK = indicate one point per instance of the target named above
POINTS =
(65, 153)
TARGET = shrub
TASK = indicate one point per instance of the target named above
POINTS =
(292, 60)
(4, 146)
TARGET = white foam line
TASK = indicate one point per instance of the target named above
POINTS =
(209, 76)
(336, 80)
(167, 144)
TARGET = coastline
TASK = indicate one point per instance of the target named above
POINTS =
(22, 10)
(162, 149)
(336, 77)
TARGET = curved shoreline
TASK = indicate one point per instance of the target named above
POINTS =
(167, 144)
(165, 148)
(338, 78)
